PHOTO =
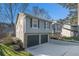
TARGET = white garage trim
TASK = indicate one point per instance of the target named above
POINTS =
(39, 38)
(48, 38)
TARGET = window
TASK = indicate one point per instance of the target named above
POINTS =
(35, 23)
(47, 25)
(44, 25)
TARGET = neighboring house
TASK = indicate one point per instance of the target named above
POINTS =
(56, 28)
(32, 30)
(66, 29)
(69, 30)
(65, 32)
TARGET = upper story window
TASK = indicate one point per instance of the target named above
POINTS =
(34, 23)
(47, 25)
(44, 25)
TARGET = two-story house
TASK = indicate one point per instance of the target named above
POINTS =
(32, 30)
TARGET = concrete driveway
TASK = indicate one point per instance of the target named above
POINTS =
(55, 48)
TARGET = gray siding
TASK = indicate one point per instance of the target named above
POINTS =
(39, 30)
(23, 28)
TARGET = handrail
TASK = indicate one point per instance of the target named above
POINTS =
(71, 29)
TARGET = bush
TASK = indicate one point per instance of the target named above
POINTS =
(19, 42)
(76, 38)
(14, 42)
(20, 45)
(56, 36)
(7, 40)
(71, 38)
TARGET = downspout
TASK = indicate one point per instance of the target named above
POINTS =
(78, 16)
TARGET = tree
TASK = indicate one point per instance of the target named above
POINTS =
(40, 12)
(72, 7)
(9, 11)
(60, 21)
(73, 15)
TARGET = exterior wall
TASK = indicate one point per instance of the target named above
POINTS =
(78, 16)
(65, 32)
(20, 27)
(37, 30)
(75, 32)
(23, 28)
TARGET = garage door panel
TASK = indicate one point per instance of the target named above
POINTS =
(44, 38)
(32, 40)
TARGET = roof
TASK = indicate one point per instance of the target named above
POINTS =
(33, 17)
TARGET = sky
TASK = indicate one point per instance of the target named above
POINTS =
(56, 11)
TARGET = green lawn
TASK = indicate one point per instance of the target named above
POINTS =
(7, 51)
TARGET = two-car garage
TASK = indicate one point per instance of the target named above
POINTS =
(33, 40)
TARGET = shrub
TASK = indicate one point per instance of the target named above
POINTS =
(56, 36)
(13, 42)
(71, 38)
(10, 40)
(7, 40)
(19, 42)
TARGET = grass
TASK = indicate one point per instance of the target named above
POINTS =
(7, 51)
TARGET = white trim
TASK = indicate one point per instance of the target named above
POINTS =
(47, 28)
(33, 34)
(25, 41)
(34, 27)
(39, 38)
(48, 37)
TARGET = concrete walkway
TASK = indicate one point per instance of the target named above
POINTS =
(55, 48)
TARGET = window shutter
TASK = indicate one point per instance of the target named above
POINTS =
(49, 25)
(30, 22)
(38, 24)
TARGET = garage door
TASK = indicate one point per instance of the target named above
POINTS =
(32, 40)
(44, 38)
